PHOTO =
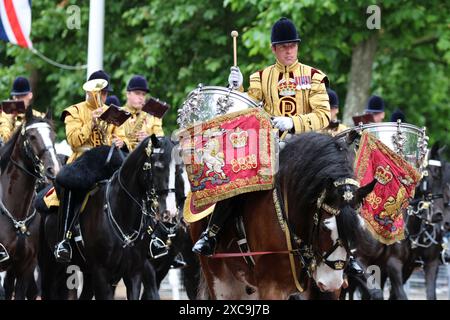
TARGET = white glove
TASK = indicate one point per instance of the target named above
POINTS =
(283, 123)
(235, 79)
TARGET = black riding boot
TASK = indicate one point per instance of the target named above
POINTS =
(206, 245)
(63, 250)
(3, 253)
(178, 262)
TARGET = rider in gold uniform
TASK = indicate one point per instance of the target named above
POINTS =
(294, 93)
(335, 125)
(141, 124)
(21, 91)
(84, 131)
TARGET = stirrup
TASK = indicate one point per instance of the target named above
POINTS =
(63, 251)
(157, 248)
(5, 255)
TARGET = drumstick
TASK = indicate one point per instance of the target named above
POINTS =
(235, 34)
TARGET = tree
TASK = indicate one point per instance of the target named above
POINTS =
(178, 44)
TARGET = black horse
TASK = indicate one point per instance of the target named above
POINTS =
(427, 219)
(27, 158)
(96, 165)
(172, 185)
(116, 224)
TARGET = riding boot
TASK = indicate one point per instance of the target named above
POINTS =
(206, 244)
(3, 253)
(353, 267)
(63, 250)
(178, 262)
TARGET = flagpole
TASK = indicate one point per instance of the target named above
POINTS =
(96, 34)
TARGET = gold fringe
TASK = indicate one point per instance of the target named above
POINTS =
(193, 217)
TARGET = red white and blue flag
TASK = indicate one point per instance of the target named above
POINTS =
(15, 22)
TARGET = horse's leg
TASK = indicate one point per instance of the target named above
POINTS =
(394, 268)
(33, 287)
(103, 289)
(8, 284)
(191, 273)
(133, 285)
(2, 292)
(149, 282)
(431, 270)
(22, 283)
(87, 293)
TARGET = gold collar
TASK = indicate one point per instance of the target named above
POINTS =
(282, 68)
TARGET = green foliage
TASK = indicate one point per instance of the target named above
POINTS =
(177, 44)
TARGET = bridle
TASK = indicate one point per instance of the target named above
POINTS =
(148, 204)
(37, 170)
(308, 251)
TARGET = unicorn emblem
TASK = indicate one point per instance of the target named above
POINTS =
(211, 155)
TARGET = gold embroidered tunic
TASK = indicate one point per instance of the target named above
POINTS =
(297, 91)
(81, 134)
(9, 123)
(140, 121)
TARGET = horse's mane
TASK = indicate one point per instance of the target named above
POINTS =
(309, 163)
(166, 145)
(7, 149)
(136, 153)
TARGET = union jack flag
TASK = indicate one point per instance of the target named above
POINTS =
(15, 22)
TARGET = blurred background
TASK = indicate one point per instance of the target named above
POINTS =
(403, 55)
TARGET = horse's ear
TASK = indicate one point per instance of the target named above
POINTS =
(362, 192)
(49, 115)
(441, 151)
(155, 141)
(29, 114)
(434, 152)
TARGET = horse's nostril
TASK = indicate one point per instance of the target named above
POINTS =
(437, 217)
(321, 286)
(50, 172)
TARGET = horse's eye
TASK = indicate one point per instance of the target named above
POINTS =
(325, 227)
(32, 138)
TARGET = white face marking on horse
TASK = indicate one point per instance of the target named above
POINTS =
(327, 278)
(170, 200)
(45, 133)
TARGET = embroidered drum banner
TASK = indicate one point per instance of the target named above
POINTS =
(227, 156)
(396, 182)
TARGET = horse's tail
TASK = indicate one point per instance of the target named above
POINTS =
(203, 291)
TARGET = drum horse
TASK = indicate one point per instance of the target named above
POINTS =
(299, 233)
(27, 158)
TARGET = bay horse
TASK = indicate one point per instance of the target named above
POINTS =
(300, 232)
(27, 158)
(116, 222)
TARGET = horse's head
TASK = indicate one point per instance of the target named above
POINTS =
(337, 226)
(317, 172)
(433, 188)
(37, 138)
(167, 172)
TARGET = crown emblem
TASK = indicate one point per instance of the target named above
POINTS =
(239, 138)
(287, 88)
(383, 175)
(339, 265)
